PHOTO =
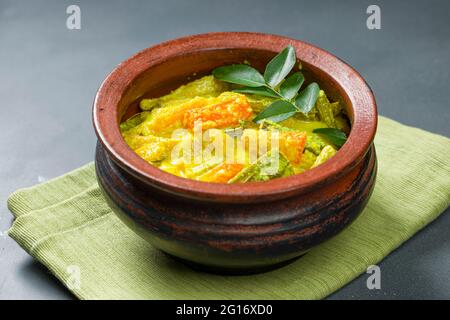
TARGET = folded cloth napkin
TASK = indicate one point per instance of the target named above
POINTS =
(66, 225)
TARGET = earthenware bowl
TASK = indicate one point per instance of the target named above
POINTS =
(240, 227)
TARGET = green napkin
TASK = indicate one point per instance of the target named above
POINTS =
(66, 225)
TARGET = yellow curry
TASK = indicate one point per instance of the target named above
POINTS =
(204, 131)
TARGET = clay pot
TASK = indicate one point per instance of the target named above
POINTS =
(245, 227)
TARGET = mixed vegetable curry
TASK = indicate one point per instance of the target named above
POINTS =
(238, 125)
(205, 130)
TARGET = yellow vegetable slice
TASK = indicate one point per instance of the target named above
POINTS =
(324, 155)
(151, 148)
(205, 87)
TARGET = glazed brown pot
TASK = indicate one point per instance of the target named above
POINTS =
(240, 227)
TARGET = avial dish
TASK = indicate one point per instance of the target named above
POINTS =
(215, 129)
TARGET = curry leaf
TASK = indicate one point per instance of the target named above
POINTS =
(307, 98)
(336, 136)
(291, 85)
(280, 66)
(276, 112)
(260, 91)
(239, 74)
(273, 84)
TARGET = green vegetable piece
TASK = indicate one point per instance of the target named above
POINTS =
(308, 159)
(267, 167)
(277, 111)
(149, 104)
(291, 85)
(336, 107)
(133, 121)
(307, 98)
(335, 136)
(280, 66)
(273, 125)
(324, 155)
(325, 109)
(239, 74)
(342, 123)
(313, 115)
(260, 91)
(314, 143)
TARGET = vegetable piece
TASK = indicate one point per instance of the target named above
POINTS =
(157, 150)
(325, 109)
(224, 114)
(336, 107)
(166, 119)
(239, 74)
(204, 166)
(292, 145)
(273, 125)
(133, 121)
(205, 87)
(221, 173)
(148, 104)
(308, 159)
(324, 155)
(335, 136)
(315, 143)
(280, 66)
(267, 167)
(342, 124)
(135, 141)
(312, 115)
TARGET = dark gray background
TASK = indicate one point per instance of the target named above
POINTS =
(49, 76)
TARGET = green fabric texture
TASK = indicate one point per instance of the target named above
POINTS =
(65, 222)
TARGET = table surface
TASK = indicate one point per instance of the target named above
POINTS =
(49, 75)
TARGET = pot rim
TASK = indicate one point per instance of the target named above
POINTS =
(363, 107)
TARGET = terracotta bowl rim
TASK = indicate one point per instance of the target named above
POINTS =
(363, 105)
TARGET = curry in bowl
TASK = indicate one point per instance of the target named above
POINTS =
(235, 225)
(239, 126)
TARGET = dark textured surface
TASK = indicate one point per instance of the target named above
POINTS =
(49, 76)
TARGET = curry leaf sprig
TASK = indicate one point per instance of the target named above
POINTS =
(274, 84)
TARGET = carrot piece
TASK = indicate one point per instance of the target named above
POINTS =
(222, 173)
(168, 118)
(292, 145)
(219, 115)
